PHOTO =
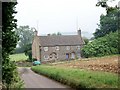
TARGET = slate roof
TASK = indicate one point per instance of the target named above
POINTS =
(60, 40)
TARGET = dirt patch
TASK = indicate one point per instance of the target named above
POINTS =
(106, 64)
(24, 64)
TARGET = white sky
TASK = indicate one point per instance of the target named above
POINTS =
(50, 16)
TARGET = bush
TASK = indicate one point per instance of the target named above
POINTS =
(106, 45)
(9, 71)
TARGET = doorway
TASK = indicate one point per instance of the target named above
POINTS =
(67, 56)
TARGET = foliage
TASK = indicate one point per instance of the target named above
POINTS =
(108, 23)
(9, 41)
(28, 51)
(25, 34)
(106, 45)
(18, 50)
(76, 78)
(18, 57)
(54, 34)
(85, 40)
(13, 80)
(103, 3)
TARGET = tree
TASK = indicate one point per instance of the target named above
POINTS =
(9, 41)
(25, 34)
(85, 40)
(28, 51)
(102, 46)
(54, 34)
(109, 22)
(58, 33)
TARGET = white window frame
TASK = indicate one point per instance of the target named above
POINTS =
(46, 58)
(45, 48)
(78, 55)
(72, 55)
(78, 47)
(57, 48)
(67, 47)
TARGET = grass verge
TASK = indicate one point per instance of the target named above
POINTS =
(18, 57)
(78, 78)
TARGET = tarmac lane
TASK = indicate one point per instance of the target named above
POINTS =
(34, 80)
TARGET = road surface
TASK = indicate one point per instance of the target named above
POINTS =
(33, 80)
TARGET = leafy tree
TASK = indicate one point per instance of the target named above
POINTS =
(25, 34)
(58, 33)
(103, 3)
(106, 45)
(85, 40)
(109, 22)
(9, 41)
(28, 51)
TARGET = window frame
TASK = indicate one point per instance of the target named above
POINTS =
(57, 48)
(78, 47)
(46, 49)
(67, 47)
(45, 57)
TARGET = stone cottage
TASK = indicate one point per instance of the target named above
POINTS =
(57, 47)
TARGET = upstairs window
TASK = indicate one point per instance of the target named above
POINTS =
(67, 47)
(57, 48)
(45, 48)
(78, 47)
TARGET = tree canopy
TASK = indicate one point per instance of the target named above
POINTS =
(9, 42)
(106, 41)
(106, 45)
(26, 35)
(108, 23)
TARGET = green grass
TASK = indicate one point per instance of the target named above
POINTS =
(78, 78)
(18, 57)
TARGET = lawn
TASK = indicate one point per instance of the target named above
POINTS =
(85, 73)
(18, 57)
(78, 78)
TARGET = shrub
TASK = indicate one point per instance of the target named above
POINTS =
(106, 45)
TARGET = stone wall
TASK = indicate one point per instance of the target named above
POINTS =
(61, 53)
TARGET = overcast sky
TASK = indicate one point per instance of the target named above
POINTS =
(49, 16)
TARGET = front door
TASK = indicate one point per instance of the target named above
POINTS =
(67, 55)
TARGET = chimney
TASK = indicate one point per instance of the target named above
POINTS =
(35, 32)
(79, 32)
(48, 34)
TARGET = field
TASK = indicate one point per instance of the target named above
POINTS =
(18, 57)
(85, 73)
(106, 64)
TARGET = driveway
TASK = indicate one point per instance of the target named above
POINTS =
(33, 80)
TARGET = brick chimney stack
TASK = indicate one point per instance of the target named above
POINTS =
(79, 32)
(35, 32)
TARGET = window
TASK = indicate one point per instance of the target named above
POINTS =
(78, 55)
(45, 48)
(67, 47)
(72, 55)
(57, 48)
(46, 57)
(78, 47)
